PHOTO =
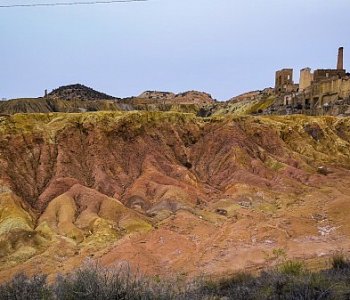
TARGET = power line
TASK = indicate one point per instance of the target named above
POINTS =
(70, 3)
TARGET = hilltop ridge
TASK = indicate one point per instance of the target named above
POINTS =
(77, 92)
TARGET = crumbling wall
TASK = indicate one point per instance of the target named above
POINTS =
(306, 78)
(322, 74)
(284, 81)
(329, 86)
(344, 92)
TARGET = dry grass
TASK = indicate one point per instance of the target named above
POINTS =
(290, 281)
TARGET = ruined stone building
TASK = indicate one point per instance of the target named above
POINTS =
(284, 82)
(317, 91)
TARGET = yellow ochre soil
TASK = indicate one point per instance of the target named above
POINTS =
(171, 193)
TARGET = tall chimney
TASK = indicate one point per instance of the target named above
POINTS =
(340, 64)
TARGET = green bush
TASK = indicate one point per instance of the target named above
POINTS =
(292, 267)
(339, 262)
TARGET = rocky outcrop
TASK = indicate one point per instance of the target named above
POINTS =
(190, 97)
(77, 92)
(156, 95)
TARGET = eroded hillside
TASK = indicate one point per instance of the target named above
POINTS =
(170, 192)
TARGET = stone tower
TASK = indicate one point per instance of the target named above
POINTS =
(340, 63)
(306, 78)
(284, 81)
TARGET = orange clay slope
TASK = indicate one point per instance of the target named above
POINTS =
(171, 193)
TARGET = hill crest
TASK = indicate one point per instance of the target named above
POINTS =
(77, 92)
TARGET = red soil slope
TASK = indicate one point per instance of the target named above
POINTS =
(169, 192)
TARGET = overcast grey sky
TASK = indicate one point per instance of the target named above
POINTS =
(224, 47)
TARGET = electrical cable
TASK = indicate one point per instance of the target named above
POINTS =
(70, 3)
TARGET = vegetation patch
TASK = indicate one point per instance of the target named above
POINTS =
(291, 280)
(261, 105)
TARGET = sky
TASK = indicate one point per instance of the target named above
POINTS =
(223, 47)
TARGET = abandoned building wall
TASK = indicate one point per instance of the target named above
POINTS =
(328, 99)
(288, 100)
(329, 86)
(323, 92)
(340, 87)
(344, 92)
(284, 80)
(322, 74)
(306, 98)
(306, 78)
